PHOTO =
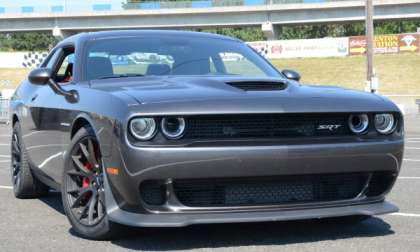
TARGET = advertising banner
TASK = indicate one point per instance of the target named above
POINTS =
(409, 42)
(304, 48)
(385, 44)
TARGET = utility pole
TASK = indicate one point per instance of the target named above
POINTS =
(370, 40)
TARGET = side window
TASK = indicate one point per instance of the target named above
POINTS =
(52, 59)
(69, 59)
(64, 71)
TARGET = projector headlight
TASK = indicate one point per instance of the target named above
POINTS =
(359, 123)
(143, 128)
(385, 123)
(173, 127)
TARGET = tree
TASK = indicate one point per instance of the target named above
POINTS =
(28, 41)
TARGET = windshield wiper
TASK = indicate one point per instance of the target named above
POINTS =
(121, 76)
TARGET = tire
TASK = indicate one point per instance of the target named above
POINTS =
(25, 184)
(81, 187)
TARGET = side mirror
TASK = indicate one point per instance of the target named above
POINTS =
(40, 76)
(291, 75)
(43, 76)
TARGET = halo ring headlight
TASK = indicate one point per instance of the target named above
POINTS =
(359, 123)
(143, 128)
(385, 123)
(173, 127)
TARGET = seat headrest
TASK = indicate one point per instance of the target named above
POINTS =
(69, 69)
(158, 69)
(196, 67)
(99, 67)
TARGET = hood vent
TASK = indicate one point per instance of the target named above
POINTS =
(258, 85)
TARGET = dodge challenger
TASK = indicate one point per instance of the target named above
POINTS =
(171, 128)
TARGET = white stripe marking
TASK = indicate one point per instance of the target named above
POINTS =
(6, 187)
(411, 160)
(49, 159)
(4, 161)
(408, 177)
(406, 214)
(412, 148)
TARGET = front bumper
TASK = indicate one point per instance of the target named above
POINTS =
(139, 164)
(182, 219)
(124, 204)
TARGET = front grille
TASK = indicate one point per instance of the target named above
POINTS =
(269, 190)
(266, 126)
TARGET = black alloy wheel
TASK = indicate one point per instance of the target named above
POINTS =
(85, 183)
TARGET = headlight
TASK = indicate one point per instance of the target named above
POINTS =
(385, 123)
(358, 123)
(143, 128)
(173, 127)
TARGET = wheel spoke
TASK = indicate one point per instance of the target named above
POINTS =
(82, 168)
(100, 209)
(15, 179)
(83, 211)
(76, 173)
(89, 153)
(91, 211)
(80, 196)
(92, 153)
(15, 143)
(16, 169)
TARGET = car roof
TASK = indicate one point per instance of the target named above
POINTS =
(132, 33)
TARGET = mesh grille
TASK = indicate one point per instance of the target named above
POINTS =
(153, 192)
(266, 126)
(265, 191)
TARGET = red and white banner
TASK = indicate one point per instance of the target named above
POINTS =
(302, 48)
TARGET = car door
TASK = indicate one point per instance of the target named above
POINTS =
(47, 137)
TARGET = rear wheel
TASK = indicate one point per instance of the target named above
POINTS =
(83, 191)
(25, 184)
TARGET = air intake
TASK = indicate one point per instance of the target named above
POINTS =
(258, 85)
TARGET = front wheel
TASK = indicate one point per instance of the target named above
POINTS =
(83, 191)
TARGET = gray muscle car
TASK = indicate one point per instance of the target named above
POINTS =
(170, 128)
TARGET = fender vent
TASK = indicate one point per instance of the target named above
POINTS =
(258, 85)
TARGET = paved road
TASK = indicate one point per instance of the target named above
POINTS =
(39, 225)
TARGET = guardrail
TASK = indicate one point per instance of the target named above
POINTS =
(77, 6)
(4, 110)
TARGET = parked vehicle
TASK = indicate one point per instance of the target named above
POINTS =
(196, 139)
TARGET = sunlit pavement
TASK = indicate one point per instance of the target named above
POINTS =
(39, 225)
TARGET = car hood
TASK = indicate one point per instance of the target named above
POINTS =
(209, 95)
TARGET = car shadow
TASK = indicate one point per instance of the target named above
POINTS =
(53, 200)
(234, 235)
(249, 234)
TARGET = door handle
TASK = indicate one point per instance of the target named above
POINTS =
(34, 98)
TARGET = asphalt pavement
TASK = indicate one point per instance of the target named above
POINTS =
(40, 224)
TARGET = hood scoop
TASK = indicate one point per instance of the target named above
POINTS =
(258, 85)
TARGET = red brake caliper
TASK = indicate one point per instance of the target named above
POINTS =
(85, 181)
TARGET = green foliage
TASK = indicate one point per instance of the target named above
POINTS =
(28, 41)
(245, 33)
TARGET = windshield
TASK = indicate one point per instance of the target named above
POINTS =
(126, 57)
